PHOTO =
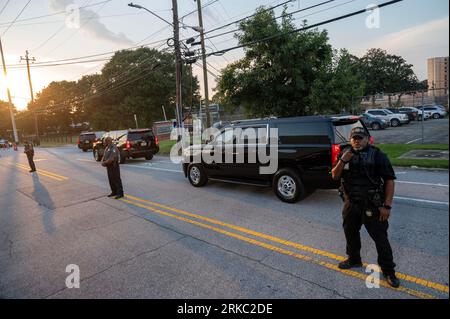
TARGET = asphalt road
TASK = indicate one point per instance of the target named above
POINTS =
(167, 239)
(434, 132)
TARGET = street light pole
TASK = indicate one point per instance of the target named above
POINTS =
(11, 113)
(36, 126)
(205, 70)
(178, 65)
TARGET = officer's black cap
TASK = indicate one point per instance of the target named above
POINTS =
(358, 131)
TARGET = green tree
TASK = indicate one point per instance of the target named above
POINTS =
(340, 87)
(387, 73)
(275, 77)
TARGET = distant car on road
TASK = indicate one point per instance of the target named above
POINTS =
(436, 112)
(4, 144)
(394, 119)
(86, 140)
(374, 122)
(132, 143)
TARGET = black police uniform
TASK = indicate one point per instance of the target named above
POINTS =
(113, 169)
(363, 181)
(29, 151)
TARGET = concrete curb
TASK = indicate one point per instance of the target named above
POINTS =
(429, 169)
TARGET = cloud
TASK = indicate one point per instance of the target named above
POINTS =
(90, 23)
(415, 44)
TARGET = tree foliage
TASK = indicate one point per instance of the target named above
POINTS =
(275, 77)
(133, 82)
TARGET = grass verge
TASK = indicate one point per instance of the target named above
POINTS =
(394, 151)
(165, 147)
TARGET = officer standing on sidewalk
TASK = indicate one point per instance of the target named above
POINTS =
(368, 190)
(29, 151)
(111, 159)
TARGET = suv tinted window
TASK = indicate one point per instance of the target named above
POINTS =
(87, 137)
(303, 133)
(137, 136)
(342, 132)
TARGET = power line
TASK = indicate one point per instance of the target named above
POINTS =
(301, 29)
(77, 30)
(54, 14)
(17, 17)
(3, 9)
(287, 14)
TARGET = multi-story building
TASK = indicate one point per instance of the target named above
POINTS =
(438, 77)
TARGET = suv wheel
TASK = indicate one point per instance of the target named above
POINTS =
(395, 123)
(376, 126)
(436, 116)
(288, 186)
(97, 156)
(197, 176)
(148, 158)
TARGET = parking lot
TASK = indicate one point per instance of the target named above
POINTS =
(435, 132)
(166, 239)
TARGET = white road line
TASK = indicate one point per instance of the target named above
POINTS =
(154, 168)
(426, 184)
(410, 142)
(421, 200)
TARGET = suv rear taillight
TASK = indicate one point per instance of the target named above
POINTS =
(372, 140)
(78, 142)
(128, 145)
(156, 140)
(335, 150)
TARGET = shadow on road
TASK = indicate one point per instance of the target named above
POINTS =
(42, 196)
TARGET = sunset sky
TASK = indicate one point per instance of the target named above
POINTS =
(414, 29)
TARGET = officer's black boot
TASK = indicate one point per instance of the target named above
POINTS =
(348, 264)
(392, 279)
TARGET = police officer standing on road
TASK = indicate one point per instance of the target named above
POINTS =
(367, 188)
(29, 151)
(111, 159)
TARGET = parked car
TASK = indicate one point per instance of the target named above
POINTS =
(308, 147)
(86, 140)
(436, 112)
(412, 115)
(394, 119)
(410, 109)
(132, 143)
(4, 144)
(374, 122)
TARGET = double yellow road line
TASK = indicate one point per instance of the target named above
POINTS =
(48, 174)
(198, 220)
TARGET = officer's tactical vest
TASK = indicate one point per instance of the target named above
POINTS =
(361, 175)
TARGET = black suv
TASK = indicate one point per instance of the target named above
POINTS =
(308, 147)
(86, 140)
(137, 143)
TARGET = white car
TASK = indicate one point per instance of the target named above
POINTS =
(427, 114)
(395, 119)
(436, 112)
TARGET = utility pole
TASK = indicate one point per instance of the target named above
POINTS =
(176, 38)
(11, 113)
(205, 70)
(27, 59)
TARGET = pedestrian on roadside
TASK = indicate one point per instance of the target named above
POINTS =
(29, 151)
(111, 158)
(367, 187)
